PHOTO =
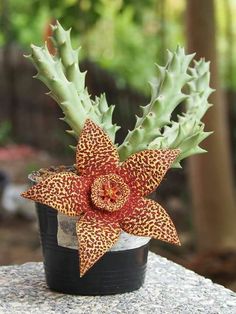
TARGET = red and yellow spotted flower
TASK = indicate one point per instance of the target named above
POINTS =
(108, 196)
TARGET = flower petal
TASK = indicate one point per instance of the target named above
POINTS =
(95, 153)
(64, 191)
(95, 238)
(149, 219)
(144, 170)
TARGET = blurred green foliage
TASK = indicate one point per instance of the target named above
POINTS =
(5, 132)
(124, 36)
(226, 36)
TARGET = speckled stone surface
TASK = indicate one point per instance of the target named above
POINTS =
(169, 289)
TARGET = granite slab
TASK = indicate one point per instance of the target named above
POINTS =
(169, 289)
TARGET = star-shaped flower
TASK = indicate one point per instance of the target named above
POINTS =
(108, 196)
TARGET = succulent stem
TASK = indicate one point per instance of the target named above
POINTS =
(156, 129)
(167, 94)
(62, 75)
(188, 131)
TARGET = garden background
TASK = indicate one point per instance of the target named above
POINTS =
(121, 41)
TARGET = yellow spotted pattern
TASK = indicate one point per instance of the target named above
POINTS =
(95, 152)
(95, 238)
(151, 220)
(144, 171)
(63, 191)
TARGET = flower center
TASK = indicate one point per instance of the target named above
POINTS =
(109, 192)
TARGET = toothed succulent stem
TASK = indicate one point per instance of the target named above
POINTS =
(188, 132)
(62, 75)
(50, 71)
(167, 94)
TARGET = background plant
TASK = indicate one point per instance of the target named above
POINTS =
(5, 133)
(129, 27)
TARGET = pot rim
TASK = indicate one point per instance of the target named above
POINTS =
(36, 173)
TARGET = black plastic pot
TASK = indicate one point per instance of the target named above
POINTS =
(115, 272)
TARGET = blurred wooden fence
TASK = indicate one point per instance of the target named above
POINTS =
(33, 115)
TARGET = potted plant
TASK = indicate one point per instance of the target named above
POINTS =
(95, 220)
